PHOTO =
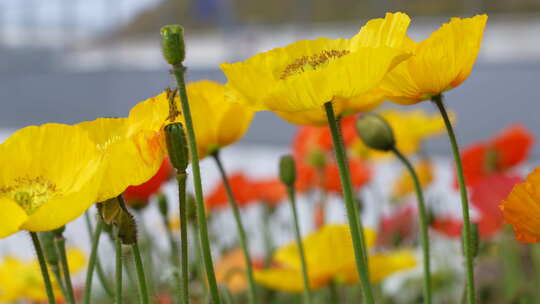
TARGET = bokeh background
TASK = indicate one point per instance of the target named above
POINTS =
(73, 60)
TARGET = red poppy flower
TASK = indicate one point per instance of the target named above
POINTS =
(399, 224)
(448, 226)
(486, 196)
(242, 190)
(508, 149)
(139, 195)
(360, 175)
(271, 191)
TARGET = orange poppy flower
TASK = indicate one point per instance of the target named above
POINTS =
(271, 191)
(139, 195)
(360, 175)
(508, 149)
(241, 188)
(521, 208)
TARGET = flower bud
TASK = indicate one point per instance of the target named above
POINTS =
(172, 44)
(287, 170)
(317, 159)
(163, 205)
(47, 240)
(375, 132)
(177, 146)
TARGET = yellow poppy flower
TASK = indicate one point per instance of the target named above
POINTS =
(231, 271)
(410, 128)
(521, 208)
(306, 74)
(405, 184)
(21, 280)
(329, 257)
(440, 63)
(50, 176)
(217, 123)
(133, 148)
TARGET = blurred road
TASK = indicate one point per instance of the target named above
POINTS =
(494, 96)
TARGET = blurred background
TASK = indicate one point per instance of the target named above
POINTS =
(73, 60)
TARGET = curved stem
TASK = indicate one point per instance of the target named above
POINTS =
(99, 268)
(467, 244)
(181, 178)
(58, 277)
(178, 72)
(43, 267)
(424, 235)
(60, 243)
(298, 236)
(355, 222)
(118, 271)
(143, 286)
(239, 226)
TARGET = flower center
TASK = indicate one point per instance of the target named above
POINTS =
(30, 193)
(313, 62)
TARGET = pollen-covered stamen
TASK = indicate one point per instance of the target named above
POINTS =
(30, 193)
(313, 62)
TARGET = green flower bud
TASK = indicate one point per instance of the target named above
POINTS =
(491, 160)
(317, 159)
(177, 146)
(172, 44)
(287, 170)
(47, 240)
(163, 205)
(375, 132)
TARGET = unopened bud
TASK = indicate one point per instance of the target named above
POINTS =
(317, 159)
(375, 132)
(287, 170)
(177, 146)
(47, 240)
(172, 44)
(163, 205)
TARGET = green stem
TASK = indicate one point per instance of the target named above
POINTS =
(178, 72)
(298, 237)
(468, 239)
(535, 254)
(355, 222)
(143, 286)
(99, 268)
(118, 271)
(92, 261)
(239, 226)
(334, 292)
(175, 262)
(58, 277)
(424, 236)
(60, 243)
(43, 267)
(181, 178)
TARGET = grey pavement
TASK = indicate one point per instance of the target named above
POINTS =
(494, 96)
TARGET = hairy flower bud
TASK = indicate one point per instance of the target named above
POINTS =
(177, 146)
(375, 132)
(172, 44)
(287, 170)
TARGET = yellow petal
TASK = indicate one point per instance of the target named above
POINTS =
(306, 74)
(289, 280)
(76, 260)
(45, 165)
(12, 219)
(381, 266)
(132, 154)
(327, 251)
(441, 62)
